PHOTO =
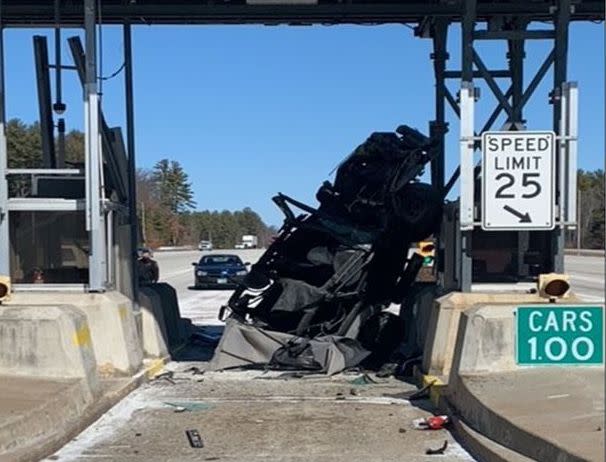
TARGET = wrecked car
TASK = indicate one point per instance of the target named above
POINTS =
(316, 299)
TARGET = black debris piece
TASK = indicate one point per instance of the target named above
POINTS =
(195, 370)
(439, 451)
(316, 299)
(195, 440)
(168, 376)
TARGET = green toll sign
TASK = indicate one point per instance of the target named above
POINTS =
(559, 335)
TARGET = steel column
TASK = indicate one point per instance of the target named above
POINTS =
(95, 217)
(516, 55)
(467, 144)
(130, 143)
(561, 22)
(4, 215)
(438, 127)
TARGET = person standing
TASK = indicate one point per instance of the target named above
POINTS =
(149, 273)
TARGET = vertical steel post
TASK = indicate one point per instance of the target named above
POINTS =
(95, 218)
(4, 215)
(130, 143)
(467, 145)
(572, 131)
(59, 107)
(438, 127)
(516, 55)
(561, 22)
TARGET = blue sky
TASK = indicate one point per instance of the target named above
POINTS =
(251, 110)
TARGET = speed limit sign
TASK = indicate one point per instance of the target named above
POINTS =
(518, 184)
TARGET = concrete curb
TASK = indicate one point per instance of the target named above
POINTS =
(92, 413)
(481, 447)
(498, 428)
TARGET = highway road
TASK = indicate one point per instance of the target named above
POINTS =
(202, 306)
(587, 275)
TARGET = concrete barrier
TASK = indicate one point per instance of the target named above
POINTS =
(47, 341)
(444, 324)
(177, 328)
(512, 405)
(154, 336)
(111, 323)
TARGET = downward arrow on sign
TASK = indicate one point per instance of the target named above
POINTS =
(524, 218)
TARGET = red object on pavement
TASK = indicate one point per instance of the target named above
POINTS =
(437, 422)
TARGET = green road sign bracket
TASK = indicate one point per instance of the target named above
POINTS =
(558, 335)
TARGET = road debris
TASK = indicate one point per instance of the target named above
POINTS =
(431, 423)
(191, 406)
(439, 451)
(168, 376)
(364, 379)
(423, 392)
(195, 440)
(195, 370)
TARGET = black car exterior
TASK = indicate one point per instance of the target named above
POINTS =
(219, 271)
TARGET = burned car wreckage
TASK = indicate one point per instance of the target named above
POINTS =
(316, 299)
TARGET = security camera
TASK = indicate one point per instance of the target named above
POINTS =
(59, 108)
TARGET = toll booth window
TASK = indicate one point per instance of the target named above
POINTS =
(46, 186)
(49, 247)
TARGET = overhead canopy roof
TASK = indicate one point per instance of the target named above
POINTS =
(41, 12)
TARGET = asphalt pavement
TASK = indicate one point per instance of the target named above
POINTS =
(257, 415)
(201, 306)
(587, 274)
(263, 416)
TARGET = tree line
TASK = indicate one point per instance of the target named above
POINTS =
(166, 206)
(590, 211)
(168, 216)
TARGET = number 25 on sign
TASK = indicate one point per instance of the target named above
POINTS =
(560, 335)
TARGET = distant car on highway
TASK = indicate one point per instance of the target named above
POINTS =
(219, 271)
(205, 245)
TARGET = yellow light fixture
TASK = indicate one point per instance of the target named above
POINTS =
(427, 249)
(554, 286)
(5, 288)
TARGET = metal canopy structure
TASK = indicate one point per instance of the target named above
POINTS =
(41, 12)
(512, 22)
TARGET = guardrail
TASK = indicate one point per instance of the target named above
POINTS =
(182, 248)
(585, 252)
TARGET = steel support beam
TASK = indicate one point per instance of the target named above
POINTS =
(467, 145)
(95, 216)
(562, 21)
(438, 127)
(516, 55)
(42, 12)
(4, 215)
(132, 166)
(45, 105)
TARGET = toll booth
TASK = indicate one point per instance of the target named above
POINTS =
(69, 224)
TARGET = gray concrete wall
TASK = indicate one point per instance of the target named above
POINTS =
(111, 322)
(443, 324)
(154, 335)
(47, 341)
